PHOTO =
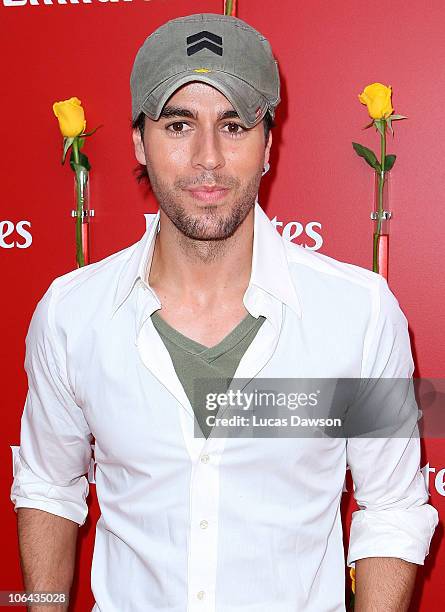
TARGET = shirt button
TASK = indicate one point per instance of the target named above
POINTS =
(200, 595)
(203, 524)
(205, 459)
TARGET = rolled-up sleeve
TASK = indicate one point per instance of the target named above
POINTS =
(55, 453)
(394, 517)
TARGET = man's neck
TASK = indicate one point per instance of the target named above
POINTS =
(209, 269)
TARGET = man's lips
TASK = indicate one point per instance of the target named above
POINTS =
(208, 194)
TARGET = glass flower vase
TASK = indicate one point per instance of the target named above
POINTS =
(82, 214)
(381, 217)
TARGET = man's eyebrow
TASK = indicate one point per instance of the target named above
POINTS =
(178, 111)
(229, 114)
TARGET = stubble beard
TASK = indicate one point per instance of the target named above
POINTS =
(206, 236)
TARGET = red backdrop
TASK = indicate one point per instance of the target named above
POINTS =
(327, 53)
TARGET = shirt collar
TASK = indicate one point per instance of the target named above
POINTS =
(270, 268)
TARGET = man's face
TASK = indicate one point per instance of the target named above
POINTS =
(204, 166)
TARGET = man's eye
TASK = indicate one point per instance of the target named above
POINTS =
(175, 126)
(235, 129)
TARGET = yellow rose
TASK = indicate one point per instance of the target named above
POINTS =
(352, 574)
(71, 117)
(377, 98)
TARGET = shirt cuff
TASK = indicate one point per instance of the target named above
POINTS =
(30, 491)
(402, 533)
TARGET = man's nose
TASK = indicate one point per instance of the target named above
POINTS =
(207, 150)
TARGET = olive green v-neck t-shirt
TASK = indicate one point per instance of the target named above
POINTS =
(193, 360)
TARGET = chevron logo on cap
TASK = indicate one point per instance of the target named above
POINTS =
(204, 40)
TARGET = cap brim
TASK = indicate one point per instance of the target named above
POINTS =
(250, 105)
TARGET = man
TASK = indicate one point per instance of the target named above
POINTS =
(191, 520)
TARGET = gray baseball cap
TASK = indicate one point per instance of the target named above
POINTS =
(219, 50)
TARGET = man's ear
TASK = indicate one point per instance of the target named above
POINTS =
(139, 147)
(267, 151)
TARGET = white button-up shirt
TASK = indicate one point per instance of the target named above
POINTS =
(218, 524)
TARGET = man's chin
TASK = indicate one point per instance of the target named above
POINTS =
(207, 231)
(208, 222)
